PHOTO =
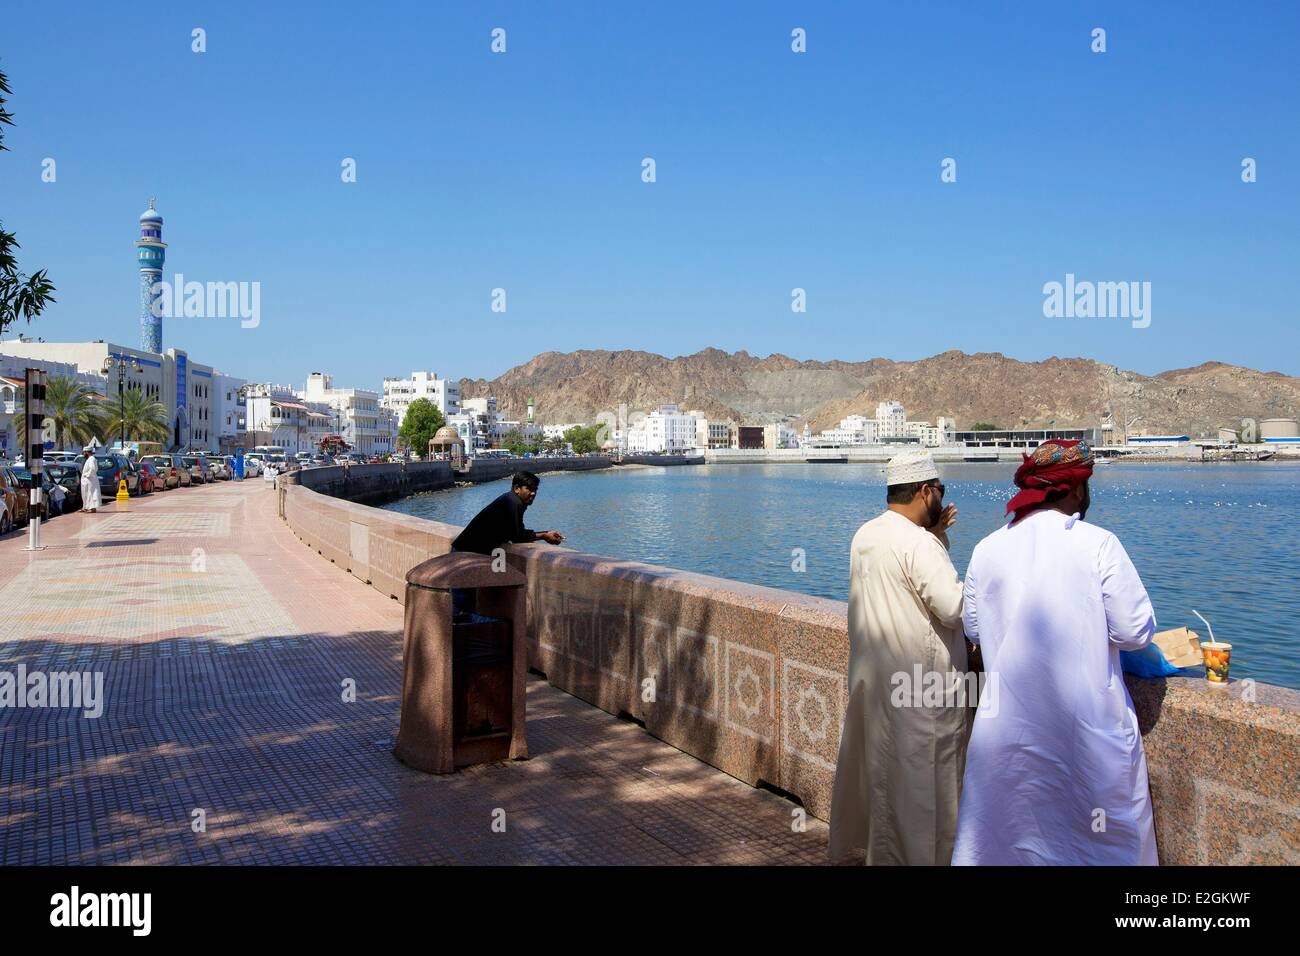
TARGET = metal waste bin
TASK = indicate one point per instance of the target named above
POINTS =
(462, 675)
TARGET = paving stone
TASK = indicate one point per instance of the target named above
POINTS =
(224, 644)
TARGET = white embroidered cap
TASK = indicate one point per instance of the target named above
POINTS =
(909, 467)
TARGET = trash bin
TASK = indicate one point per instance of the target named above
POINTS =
(463, 675)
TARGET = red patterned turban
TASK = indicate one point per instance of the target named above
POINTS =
(1058, 465)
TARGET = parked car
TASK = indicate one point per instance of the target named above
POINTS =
(69, 478)
(15, 501)
(252, 466)
(220, 468)
(23, 477)
(150, 478)
(113, 468)
(172, 470)
(200, 474)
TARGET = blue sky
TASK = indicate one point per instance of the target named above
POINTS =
(775, 170)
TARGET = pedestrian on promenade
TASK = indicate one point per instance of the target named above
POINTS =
(89, 482)
(1056, 773)
(899, 772)
(500, 523)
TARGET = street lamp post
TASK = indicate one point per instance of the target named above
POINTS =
(121, 362)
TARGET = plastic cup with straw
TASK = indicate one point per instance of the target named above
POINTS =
(1216, 655)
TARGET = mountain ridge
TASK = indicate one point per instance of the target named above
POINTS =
(968, 387)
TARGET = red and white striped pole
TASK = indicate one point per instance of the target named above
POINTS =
(35, 381)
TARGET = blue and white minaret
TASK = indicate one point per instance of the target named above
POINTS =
(152, 254)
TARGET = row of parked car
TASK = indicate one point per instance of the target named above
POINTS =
(150, 474)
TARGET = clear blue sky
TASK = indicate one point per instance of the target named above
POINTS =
(775, 170)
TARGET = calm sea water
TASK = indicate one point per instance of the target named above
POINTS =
(1221, 538)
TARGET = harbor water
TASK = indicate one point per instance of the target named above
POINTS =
(1223, 539)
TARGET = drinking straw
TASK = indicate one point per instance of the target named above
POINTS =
(1207, 625)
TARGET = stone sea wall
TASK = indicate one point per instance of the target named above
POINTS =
(752, 679)
(392, 480)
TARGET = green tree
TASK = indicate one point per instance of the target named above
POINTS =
(70, 408)
(142, 418)
(985, 427)
(419, 425)
(583, 438)
(21, 296)
(517, 444)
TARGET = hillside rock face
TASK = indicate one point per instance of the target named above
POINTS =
(986, 387)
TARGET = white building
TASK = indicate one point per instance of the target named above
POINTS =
(183, 387)
(557, 431)
(666, 429)
(479, 406)
(932, 436)
(277, 416)
(13, 383)
(359, 420)
(400, 392)
(232, 412)
(854, 430)
(473, 430)
(891, 420)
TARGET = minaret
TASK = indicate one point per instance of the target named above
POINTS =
(152, 255)
(530, 411)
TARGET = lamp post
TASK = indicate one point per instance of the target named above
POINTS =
(121, 362)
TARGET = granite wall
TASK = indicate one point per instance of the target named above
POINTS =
(392, 480)
(752, 680)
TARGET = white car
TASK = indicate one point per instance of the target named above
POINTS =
(252, 466)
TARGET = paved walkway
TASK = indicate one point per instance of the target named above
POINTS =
(224, 644)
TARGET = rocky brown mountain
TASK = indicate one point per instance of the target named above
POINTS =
(985, 387)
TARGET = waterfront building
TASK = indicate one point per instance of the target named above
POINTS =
(666, 429)
(932, 436)
(501, 428)
(1158, 441)
(359, 422)
(1024, 438)
(557, 431)
(486, 405)
(13, 383)
(749, 436)
(853, 430)
(184, 387)
(1283, 430)
(473, 430)
(231, 411)
(891, 420)
(276, 415)
(713, 432)
(400, 392)
(151, 253)
(779, 436)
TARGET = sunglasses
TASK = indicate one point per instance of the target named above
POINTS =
(939, 487)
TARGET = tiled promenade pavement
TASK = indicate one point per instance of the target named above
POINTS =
(224, 643)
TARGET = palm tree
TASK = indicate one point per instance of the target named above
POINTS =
(73, 410)
(70, 407)
(142, 418)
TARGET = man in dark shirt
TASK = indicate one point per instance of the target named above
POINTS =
(500, 523)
